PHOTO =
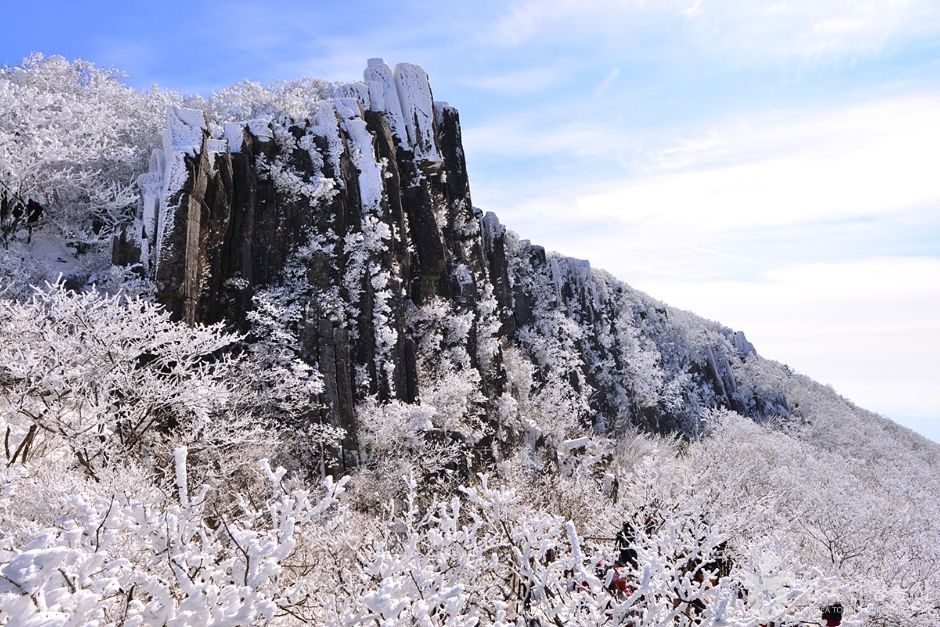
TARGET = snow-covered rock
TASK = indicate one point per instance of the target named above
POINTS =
(383, 97)
(417, 107)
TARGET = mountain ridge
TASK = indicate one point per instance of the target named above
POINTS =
(384, 200)
(318, 385)
(291, 186)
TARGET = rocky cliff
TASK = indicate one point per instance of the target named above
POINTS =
(360, 215)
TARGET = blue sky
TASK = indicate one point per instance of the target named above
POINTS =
(772, 165)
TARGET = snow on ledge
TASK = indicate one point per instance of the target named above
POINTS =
(417, 106)
(185, 129)
(383, 96)
(234, 133)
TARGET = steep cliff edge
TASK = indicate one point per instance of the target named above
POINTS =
(359, 216)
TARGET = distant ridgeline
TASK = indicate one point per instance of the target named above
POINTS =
(358, 221)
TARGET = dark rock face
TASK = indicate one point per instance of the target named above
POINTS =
(328, 348)
(361, 214)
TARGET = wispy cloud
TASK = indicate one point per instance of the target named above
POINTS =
(520, 82)
(605, 84)
(798, 28)
(796, 166)
(725, 255)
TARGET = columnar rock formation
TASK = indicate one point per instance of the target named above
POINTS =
(361, 213)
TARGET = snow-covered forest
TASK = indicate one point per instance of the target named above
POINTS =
(263, 362)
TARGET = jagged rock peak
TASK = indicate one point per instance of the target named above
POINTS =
(357, 214)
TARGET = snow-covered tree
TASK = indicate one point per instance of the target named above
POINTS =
(74, 138)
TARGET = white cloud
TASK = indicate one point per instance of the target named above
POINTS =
(547, 133)
(795, 28)
(785, 167)
(526, 20)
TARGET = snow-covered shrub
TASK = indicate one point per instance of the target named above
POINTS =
(283, 387)
(74, 138)
(249, 100)
(398, 440)
(145, 556)
(450, 382)
(103, 377)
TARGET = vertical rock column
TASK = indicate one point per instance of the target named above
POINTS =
(361, 208)
(176, 246)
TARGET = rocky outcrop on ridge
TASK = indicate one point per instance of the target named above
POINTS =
(361, 214)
